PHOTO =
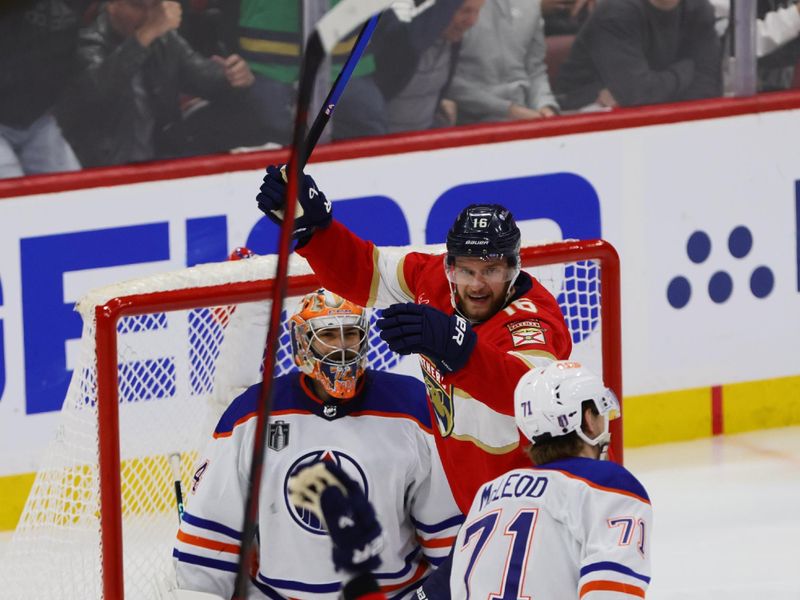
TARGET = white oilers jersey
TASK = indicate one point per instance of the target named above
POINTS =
(382, 439)
(575, 528)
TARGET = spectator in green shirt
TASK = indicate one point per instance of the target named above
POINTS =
(270, 42)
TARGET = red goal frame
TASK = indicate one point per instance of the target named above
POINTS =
(108, 315)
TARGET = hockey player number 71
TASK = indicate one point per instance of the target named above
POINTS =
(521, 532)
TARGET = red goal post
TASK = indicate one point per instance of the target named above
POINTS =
(101, 519)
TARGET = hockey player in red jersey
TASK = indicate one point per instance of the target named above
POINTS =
(477, 322)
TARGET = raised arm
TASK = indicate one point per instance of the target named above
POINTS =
(355, 269)
(105, 73)
(106, 69)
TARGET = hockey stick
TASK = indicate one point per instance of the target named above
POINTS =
(337, 23)
(175, 465)
(326, 111)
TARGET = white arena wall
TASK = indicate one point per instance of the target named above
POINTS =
(702, 202)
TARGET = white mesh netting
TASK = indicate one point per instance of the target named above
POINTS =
(177, 372)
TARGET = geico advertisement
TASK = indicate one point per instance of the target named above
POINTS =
(703, 214)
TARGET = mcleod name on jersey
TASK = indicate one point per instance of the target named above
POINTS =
(473, 408)
(574, 528)
(382, 438)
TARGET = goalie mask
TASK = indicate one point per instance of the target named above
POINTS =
(329, 341)
(486, 232)
(548, 402)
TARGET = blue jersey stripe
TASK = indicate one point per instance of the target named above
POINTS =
(244, 404)
(399, 394)
(435, 560)
(288, 584)
(212, 526)
(203, 561)
(286, 392)
(612, 566)
(600, 472)
(403, 571)
(384, 392)
(266, 590)
(441, 526)
(299, 586)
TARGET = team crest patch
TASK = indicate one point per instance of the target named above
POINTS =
(440, 395)
(527, 332)
(278, 435)
(303, 517)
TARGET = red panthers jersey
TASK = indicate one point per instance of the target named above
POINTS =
(477, 436)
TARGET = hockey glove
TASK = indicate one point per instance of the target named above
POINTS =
(437, 585)
(313, 212)
(341, 505)
(421, 329)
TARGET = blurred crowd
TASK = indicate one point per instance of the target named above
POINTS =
(86, 83)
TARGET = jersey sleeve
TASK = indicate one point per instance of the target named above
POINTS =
(616, 558)
(207, 547)
(434, 511)
(359, 270)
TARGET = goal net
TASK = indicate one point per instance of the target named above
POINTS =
(160, 358)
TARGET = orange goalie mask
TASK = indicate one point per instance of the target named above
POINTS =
(329, 341)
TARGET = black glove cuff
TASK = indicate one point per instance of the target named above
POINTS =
(453, 364)
(360, 585)
(303, 240)
(306, 236)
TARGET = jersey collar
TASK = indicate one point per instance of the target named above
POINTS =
(522, 285)
(331, 410)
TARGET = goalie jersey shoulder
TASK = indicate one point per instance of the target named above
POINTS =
(384, 394)
(285, 390)
(396, 395)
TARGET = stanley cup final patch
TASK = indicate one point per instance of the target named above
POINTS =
(527, 332)
(278, 435)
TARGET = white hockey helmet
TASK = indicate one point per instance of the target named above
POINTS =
(548, 401)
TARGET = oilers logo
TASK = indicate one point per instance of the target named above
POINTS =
(304, 518)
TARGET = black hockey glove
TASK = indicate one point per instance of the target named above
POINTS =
(342, 506)
(421, 329)
(314, 212)
(437, 585)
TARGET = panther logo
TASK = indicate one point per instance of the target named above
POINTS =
(440, 395)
